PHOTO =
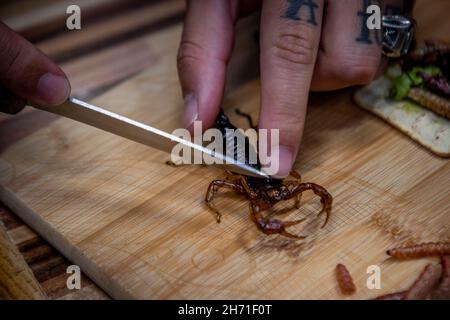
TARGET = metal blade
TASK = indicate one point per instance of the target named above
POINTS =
(133, 130)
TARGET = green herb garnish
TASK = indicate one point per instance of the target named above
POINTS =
(409, 79)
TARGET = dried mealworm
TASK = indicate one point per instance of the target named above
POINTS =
(425, 283)
(430, 101)
(432, 47)
(421, 250)
(344, 280)
(392, 296)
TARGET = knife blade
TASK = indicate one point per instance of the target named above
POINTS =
(139, 132)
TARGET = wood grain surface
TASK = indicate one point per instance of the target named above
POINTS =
(36, 20)
(140, 228)
(16, 279)
(93, 61)
(39, 271)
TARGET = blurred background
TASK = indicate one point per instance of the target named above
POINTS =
(109, 46)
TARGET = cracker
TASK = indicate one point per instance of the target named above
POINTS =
(422, 125)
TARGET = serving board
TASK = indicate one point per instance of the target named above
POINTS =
(140, 228)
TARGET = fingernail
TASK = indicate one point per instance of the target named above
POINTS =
(285, 159)
(53, 89)
(190, 110)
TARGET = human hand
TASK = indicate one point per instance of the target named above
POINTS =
(305, 45)
(27, 75)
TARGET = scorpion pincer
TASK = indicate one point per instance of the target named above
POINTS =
(264, 193)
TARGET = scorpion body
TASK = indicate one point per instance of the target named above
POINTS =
(263, 193)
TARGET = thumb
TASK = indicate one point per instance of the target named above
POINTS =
(28, 72)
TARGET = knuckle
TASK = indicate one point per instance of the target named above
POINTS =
(295, 48)
(188, 52)
(360, 74)
(354, 70)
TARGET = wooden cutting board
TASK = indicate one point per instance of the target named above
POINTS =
(140, 228)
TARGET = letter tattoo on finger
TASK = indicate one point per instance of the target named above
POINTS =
(295, 7)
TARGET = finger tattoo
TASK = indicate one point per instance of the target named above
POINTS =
(296, 6)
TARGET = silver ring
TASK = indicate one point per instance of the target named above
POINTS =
(398, 33)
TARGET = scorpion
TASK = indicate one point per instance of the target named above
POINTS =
(264, 193)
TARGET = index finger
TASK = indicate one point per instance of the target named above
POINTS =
(290, 34)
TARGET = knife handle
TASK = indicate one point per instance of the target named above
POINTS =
(9, 102)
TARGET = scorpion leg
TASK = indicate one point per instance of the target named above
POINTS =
(325, 198)
(272, 226)
(247, 190)
(214, 187)
(298, 177)
(248, 117)
(290, 184)
(232, 177)
(290, 224)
